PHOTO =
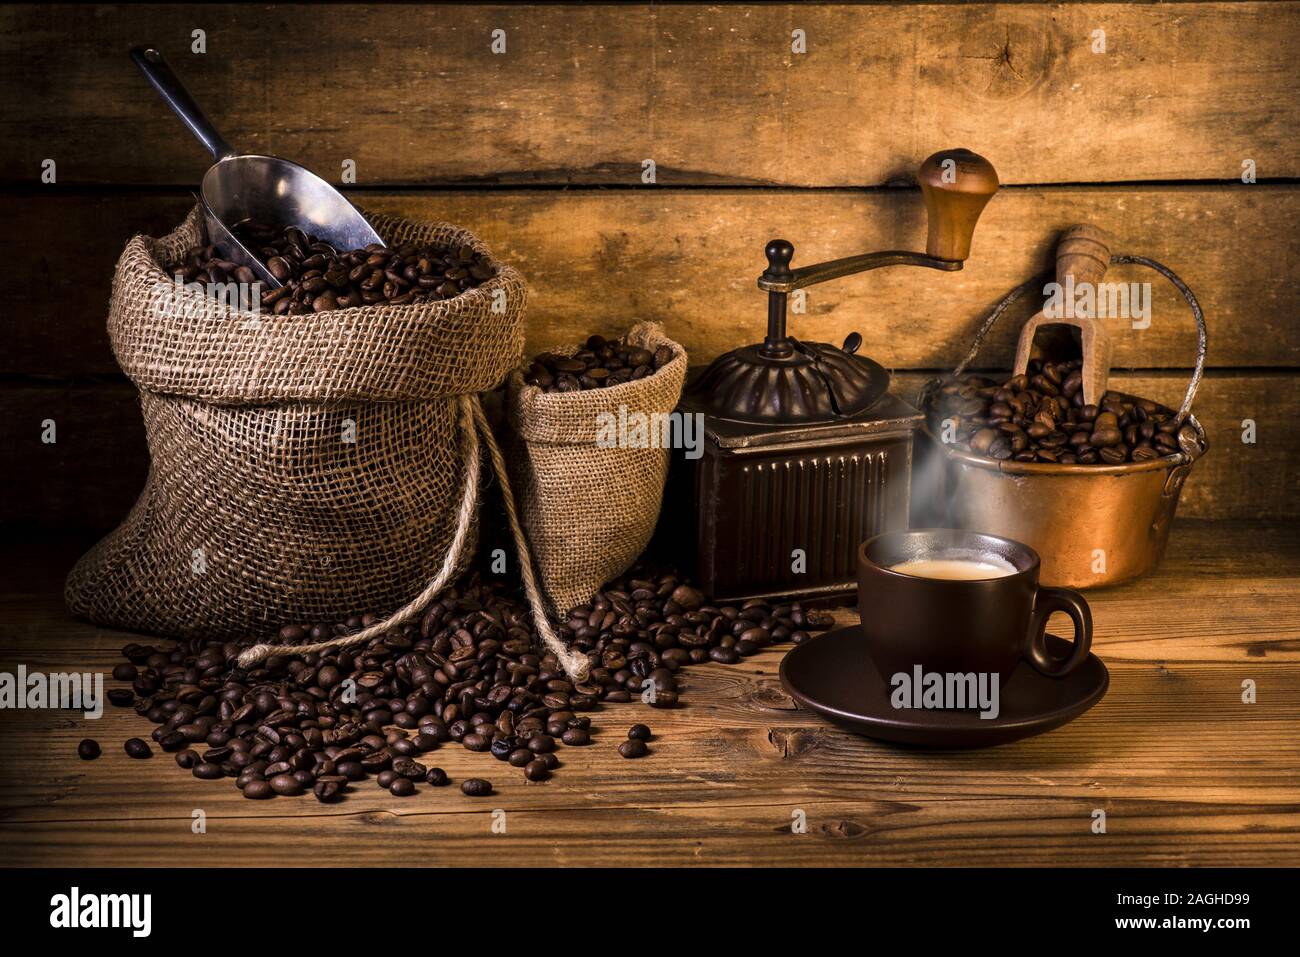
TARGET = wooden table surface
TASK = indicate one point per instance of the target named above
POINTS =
(1186, 772)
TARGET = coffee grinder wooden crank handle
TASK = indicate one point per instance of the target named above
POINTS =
(957, 184)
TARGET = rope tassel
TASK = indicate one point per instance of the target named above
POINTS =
(472, 423)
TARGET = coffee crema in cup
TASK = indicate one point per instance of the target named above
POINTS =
(957, 567)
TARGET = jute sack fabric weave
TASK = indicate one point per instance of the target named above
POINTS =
(303, 468)
(588, 510)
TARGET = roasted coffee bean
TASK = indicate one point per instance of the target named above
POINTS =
(126, 672)
(536, 770)
(207, 771)
(258, 790)
(352, 770)
(542, 743)
(599, 364)
(286, 785)
(576, 737)
(633, 748)
(437, 777)
(1041, 417)
(402, 787)
(405, 767)
(136, 748)
(88, 749)
(424, 742)
(187, 758)
(327, 790)
(317, 277)
(121, 697)
(173, 741)
(639, 732)
(476, 787)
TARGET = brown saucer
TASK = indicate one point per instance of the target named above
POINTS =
(834, 676)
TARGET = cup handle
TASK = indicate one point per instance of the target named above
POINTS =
(1051, 600)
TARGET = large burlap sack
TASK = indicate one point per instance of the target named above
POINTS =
(588, 510)
(303, 468)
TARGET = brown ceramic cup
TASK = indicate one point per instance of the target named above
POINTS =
(959, 626)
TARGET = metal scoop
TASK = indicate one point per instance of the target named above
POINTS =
(263, 188)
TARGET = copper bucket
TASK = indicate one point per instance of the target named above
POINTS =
(1092, 525)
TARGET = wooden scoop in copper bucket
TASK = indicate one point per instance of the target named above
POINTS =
(1082, 257)
(1091, 525)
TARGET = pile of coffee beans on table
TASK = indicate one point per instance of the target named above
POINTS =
(467, 673)
(1040, 416)
(317, 277)
(599, 364)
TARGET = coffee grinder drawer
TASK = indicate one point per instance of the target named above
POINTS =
(786, 520)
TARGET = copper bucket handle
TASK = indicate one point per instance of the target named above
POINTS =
(1184, 410)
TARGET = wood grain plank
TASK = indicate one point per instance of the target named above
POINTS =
(950, 833)
(584, 93)
(600, 260)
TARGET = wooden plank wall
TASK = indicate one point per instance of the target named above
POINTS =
(540, 150)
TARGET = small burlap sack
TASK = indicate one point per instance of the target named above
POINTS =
(588, 510)
(304, 468)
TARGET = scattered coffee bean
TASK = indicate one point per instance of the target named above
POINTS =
(664, 699)
(286, 784)
(136, 748)
(633, 748)
(121, 697)
(639, 732)
(258, 790)
(402, 787)
(467, 671)
(88, 749)
(328, 790)
(476, 787)
(541, 743)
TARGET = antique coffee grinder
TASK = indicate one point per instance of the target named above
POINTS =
(806, 454)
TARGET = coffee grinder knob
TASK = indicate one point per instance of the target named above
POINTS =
(957, 185)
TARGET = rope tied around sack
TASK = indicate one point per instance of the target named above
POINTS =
(473, 423)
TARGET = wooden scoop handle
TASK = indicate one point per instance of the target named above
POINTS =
(1082, 256)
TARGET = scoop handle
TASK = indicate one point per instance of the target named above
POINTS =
(1082, 256)
(172, 90)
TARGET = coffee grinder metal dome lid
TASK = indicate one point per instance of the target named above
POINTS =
(785, 381)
